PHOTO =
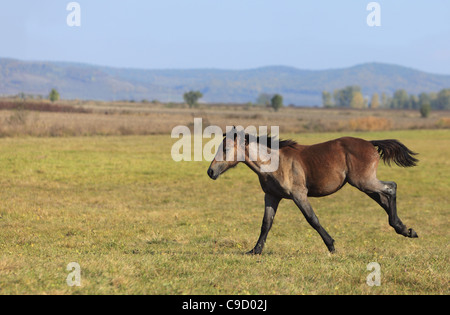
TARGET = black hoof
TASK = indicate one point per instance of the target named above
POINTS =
(331, 247)
(412, 234)
(254, 252)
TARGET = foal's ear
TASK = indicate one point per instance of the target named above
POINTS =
(234, 130)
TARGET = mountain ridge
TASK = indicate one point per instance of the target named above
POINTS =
(298, 86)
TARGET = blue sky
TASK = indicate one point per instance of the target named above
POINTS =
(229, 34)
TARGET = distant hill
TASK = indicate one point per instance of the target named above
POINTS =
(299, 87)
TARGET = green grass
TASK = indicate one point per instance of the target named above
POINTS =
(139, 223)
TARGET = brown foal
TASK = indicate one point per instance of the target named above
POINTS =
(319, 170)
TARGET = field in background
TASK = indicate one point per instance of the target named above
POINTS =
(83, 118)
(139, 223)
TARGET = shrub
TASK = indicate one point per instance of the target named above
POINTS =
(443, 122)
(425, 110)
(370, 124)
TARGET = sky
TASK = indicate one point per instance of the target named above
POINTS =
(229, 34)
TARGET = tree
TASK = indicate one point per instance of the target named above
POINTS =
(425, 110)
(277, 102)
(343, 97)
(385, 100)
(192, 97)
(375, 101)
(326, 98)
(400, 99)
(443, 99)
(264, 99)
(357, 100)
(424, 98)
(414, 102)
(53, 96)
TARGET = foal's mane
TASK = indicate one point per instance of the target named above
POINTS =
(282, 143)
(268, 141)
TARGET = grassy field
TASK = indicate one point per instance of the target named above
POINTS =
(138, 223)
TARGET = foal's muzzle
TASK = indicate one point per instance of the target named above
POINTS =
(212, 175)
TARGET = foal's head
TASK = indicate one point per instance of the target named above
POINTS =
(260, 153)
(231, 151)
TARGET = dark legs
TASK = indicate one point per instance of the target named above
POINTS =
(303, 204)
(384, 193)
(386, 196)
(269, 214)
(271, 206)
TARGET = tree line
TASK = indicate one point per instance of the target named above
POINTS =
(352, 97)
(274, 101)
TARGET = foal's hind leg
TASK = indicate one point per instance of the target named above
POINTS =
(385, 194)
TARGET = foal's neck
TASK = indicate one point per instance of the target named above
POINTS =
(256, 166)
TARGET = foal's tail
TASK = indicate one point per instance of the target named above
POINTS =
(394, 150)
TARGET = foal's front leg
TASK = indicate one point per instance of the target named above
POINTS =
(301, 200)
(271, 206)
